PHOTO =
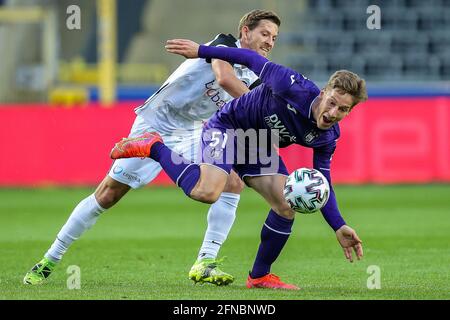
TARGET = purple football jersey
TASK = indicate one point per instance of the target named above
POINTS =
(282, 103)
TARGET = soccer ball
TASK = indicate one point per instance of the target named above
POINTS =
(306, 190)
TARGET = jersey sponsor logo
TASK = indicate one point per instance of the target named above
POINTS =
(274, 123)
(131, 177)
(310, 136)
(214, 94)
(119, 171)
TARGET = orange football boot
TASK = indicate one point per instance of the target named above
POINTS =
(137, 147)
(269, 281)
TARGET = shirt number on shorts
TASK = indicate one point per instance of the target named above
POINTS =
(215, 137)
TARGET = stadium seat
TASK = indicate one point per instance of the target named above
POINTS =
(414, 39)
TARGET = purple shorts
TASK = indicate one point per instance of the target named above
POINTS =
(247, 153)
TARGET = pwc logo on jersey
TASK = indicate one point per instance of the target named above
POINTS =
(276, 125)
(214, 94)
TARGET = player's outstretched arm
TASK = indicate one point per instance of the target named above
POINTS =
(246, 57)
(223, 71)
(348, 239)
(183, 47)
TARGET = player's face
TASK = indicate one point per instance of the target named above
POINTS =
(262, 38)
(333, 106)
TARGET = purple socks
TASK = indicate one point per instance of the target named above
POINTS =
(184, 173)
(274, 234)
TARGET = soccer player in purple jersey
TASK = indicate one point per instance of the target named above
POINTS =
(294, 110)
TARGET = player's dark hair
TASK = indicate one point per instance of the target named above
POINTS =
(349, 82)
(252, 19)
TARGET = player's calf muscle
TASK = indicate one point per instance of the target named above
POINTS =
(204, 195)
(109, 192)
(207, 191)
(284, 210)
(209, 187)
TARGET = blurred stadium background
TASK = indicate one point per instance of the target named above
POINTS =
(66, 95)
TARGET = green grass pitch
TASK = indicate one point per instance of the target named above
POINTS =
(144, 247)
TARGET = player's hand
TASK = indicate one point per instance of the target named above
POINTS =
(349, 240)
(183, 47)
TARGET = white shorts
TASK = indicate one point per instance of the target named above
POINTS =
(137, 172)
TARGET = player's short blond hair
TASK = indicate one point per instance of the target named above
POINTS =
(349, 82)
(252, 19)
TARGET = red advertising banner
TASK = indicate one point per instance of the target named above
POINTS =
(396, 140)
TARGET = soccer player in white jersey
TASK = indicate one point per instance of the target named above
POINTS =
(194, 91)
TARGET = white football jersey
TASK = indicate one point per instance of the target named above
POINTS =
(191, 94)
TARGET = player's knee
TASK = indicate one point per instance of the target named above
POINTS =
(234, 185)
(107, 198)
(108, 195)
(205, 195)
(284, 210)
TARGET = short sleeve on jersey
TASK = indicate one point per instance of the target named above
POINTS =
(224, 41)
(281, 79)
(290, 85)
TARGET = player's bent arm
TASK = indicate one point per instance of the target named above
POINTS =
(226, 78)
(246, 57)
(346, 236)
(322, 161)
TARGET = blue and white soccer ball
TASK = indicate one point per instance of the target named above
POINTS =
(306, 190)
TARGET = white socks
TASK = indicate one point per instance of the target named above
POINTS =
(83, 217)
(221, 217)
